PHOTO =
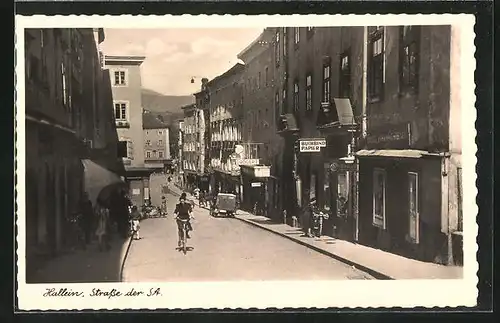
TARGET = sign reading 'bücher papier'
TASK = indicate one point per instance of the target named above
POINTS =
(311, 145)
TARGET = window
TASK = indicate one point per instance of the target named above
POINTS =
(413, 207)
(160, 142)
(160, 154)
(148, 142)
(121, 111)
(148, 154)
(266, 76)
(296, 32)
(309, 92)
(277, 47)
(345, 76)
(154, 153)
(379, 182)
(409, 43)
(160, 132)
(119, 78)
(284, 42)
(296, 96)
(376, 64)
(327, 197)
(326, 83)
(342, 193)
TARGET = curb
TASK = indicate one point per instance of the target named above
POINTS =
(125, 258)
(372, 272)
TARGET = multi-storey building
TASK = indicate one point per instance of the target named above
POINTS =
(410, 161)
(225, 124)
(156, 141)
(261, 144)
(125, 75)
(68, 122)
(193, 150)
(360, 133)
(202, 99)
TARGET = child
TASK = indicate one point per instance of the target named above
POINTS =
(135, 223)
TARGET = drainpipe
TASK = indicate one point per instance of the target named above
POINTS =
(364, 82)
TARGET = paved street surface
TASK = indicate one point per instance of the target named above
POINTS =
(224, 249)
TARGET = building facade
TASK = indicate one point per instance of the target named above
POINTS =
(156, 141)
(226, 113)
(67, 122)
(261, 145)
(202, 99)
(193, 150)
(125, 77)
(410, 161)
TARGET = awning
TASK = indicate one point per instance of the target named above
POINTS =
(97, 178)
(344, 111)
(396, 153)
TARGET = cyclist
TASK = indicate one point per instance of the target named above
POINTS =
(183, 211)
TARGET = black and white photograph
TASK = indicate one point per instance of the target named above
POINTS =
(251, 158)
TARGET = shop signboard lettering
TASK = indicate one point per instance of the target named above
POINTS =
(390, 136)
(311, 145)
(256, 184)
(247, 162)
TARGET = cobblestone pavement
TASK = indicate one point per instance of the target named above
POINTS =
(224, 249)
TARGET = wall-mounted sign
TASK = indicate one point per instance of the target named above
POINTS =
(136, 191)
(256, 184)
(247, 162)
(311, 145)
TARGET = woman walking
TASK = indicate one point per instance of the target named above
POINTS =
(102, 230)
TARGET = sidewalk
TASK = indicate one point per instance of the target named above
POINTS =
(86, 266)
(378, 263)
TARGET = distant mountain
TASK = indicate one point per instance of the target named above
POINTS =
(164, 104)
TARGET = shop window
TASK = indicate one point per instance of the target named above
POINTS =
(413, 211)
(312, 187)
(342, 193)
(379, 191)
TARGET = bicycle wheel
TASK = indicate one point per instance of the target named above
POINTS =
(184, 238)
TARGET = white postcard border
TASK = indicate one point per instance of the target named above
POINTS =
(268, 294)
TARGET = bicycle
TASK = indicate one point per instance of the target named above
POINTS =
(184, 235)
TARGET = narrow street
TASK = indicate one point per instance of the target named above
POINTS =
(224, 249)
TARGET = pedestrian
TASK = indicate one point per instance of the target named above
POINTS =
(87, 217)
(102, 231)
(307, 219)
(136, 216)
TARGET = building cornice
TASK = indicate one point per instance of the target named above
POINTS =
(127, 60)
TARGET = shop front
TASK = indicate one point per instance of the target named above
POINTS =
(226, 182)
(255, 192)
(402, 202)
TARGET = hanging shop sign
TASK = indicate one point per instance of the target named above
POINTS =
(257, 171)
(256, 184)
(311, 145)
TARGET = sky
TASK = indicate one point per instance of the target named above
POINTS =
(174, 56)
